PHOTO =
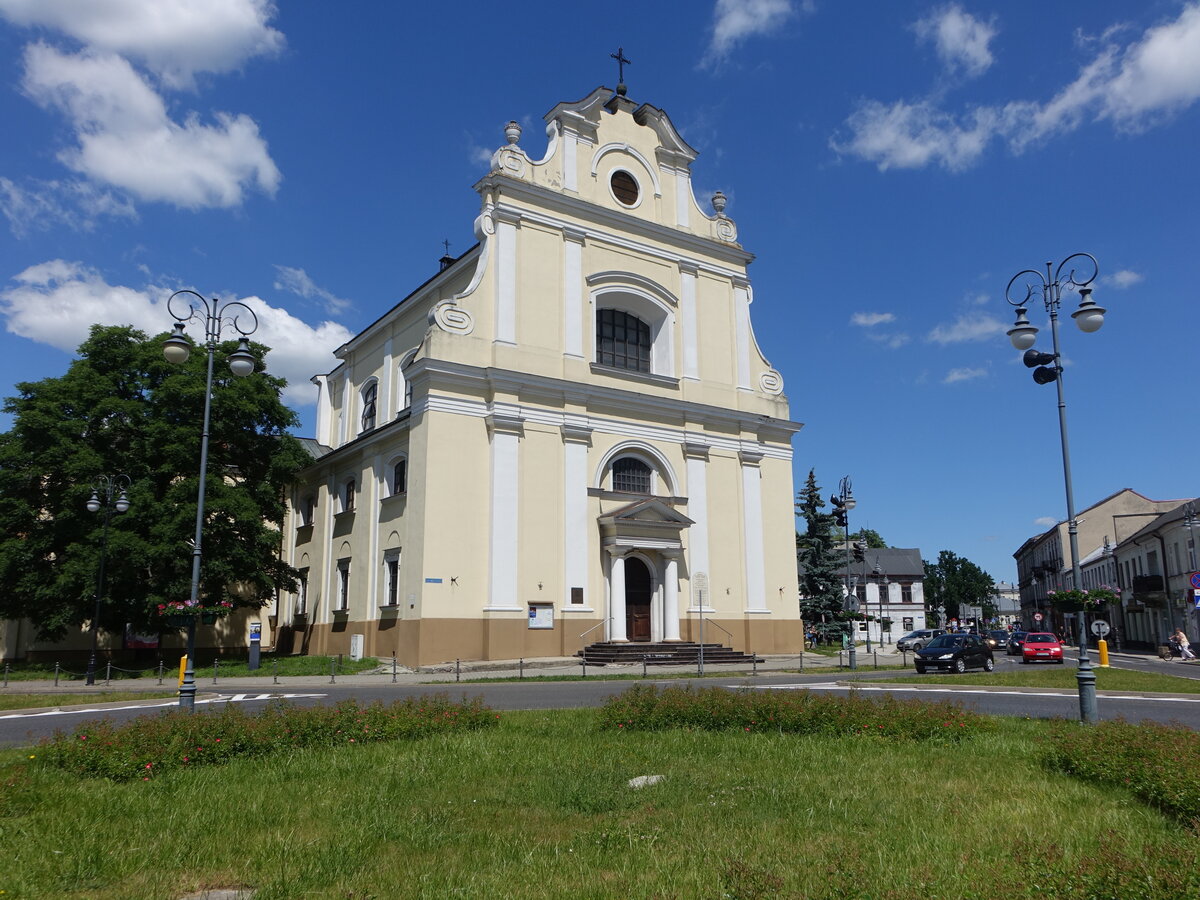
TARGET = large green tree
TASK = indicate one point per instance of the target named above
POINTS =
(956, 583)
(820, 557)
(122, 409)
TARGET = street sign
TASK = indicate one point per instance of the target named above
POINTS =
(1194, 578)
(1100, 628)
(1037, 617)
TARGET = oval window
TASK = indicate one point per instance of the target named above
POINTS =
(624, 187)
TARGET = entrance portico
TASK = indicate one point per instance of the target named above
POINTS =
(644, 546)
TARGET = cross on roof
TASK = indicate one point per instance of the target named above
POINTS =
(619, 56)
(446, 244)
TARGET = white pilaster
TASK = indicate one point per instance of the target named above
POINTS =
(683, 196)
(569, 176)
(687, 312)
(616, 593)
(572, 291)
(506, 275)
(671, 596)
(344, 431)
(741, 311)
(575, 524)
(386, 407)
(502, 563)
(697, 494)
(752, 530)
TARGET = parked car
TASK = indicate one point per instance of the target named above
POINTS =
(997, 639)
(955, 653)
(1015, 640)
(1041, 646)
(915, 640)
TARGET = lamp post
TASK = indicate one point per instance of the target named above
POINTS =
(1191, 521)
(882, 581)
(102, 498)
(843, 501)
(188, 306)
(1047, 368)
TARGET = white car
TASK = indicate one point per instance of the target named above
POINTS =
(915, 640)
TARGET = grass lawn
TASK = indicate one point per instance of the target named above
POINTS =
(1064, 677)
(34, 701)
(226, 668)
(538, 807)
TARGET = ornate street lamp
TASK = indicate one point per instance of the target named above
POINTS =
(109, 494)
(1048, 368)
(188, 306)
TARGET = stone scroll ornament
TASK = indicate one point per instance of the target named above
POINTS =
(771, 382)
(449, 317)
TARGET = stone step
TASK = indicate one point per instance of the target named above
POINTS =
(660, 654)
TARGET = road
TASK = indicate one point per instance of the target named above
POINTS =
(19, 728)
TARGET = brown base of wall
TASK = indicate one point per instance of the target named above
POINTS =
(426, 642)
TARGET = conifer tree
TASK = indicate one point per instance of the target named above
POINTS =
(821, 593)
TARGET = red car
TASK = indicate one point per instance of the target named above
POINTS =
(1041, 646)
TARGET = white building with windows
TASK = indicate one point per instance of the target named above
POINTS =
(566, 435)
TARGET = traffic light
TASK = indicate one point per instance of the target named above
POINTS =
(860, 551)
(839, 510)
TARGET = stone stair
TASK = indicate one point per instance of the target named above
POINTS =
(675, 653)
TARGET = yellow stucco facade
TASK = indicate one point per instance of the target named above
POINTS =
(562, 434)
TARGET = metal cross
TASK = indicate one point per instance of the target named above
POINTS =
(446, 244)
(619, 56)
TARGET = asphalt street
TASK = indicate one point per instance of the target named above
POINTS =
(26, 727)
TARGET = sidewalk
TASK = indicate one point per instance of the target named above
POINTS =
(461, 672)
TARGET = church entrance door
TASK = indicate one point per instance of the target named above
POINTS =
(638, 589)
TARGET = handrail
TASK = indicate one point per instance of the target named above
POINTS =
(593, 628)
(711, 622)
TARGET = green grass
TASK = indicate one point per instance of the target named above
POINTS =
(538, 808)
(36, 701)
(226, 668)
(1064, 677)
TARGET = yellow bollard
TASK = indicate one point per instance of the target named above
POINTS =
(182, 669)
(1102, 645)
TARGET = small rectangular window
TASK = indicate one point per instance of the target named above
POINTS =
(400, 477)
(906, 593)
(302, 593)
(343, 597)
(391, 563)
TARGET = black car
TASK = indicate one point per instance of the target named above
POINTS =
(1016, 643)
(997, 639)
(955, 653)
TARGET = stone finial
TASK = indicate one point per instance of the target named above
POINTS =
(512, 132)
(718, 203)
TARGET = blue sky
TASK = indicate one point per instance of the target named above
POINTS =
(892, 165)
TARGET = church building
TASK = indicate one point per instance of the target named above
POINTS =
(567, 435)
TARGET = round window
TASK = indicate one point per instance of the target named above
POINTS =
(624, 187)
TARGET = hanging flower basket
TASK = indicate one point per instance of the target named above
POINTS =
(180, 614)
(1083, 601)
(177, 621)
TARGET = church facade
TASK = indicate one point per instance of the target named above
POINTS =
(567, 435)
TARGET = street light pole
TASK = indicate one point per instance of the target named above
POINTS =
(843, 501)
(176, 348)
(106, 485)
(1089, 317)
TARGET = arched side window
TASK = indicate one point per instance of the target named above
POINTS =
(403, 382)
(349, 490)
(397, 477)
(622, 340)
(370, 396)
(631, 475)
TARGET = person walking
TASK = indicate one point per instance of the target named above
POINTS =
(1185, 647)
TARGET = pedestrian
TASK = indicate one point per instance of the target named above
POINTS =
(1185, 647)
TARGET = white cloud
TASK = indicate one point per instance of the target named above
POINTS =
(736, 20)
(869, 319)
(78, 204)
(967, 328)
(296, 281)
(1125, 278)
(963, 374)
(175, 39)
(56, 302)
(1135, 87)
(891, 341)
(961, 39)
(1045, 522)
(127, 141)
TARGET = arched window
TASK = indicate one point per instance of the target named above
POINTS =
(349, 489)
(370, 394)
(622, 340)
(631, 476)
(400, 477)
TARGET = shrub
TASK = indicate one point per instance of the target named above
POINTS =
(646, 707)
(1159, 764)
(151, 746)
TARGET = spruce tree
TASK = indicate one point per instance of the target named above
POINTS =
(819, 558)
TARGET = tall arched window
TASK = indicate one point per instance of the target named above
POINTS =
(622, 340)
(631, 476)
(370, 394)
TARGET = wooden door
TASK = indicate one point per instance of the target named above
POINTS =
(638, 589)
